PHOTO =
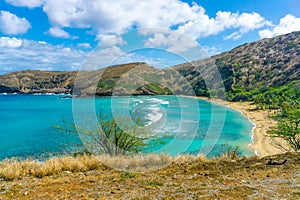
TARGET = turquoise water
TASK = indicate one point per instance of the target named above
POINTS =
(186, 125)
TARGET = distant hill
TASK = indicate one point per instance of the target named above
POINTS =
(35, 81)
(246, 70)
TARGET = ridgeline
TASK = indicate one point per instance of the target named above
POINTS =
(247, 70)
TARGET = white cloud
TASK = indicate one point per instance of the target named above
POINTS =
(233, 36)
(26, 3)
(115, 17)
(203, 26)
(58, 32)
(13, 25)
(70, 13)
(245, 22)
(84, 45)
(212, 50)
(108, 18)
(19, 54)
(110, 40)
(266, 33)
(10, 42)
(287, 24)
(42, 42)
(249, 21)
(172, 41)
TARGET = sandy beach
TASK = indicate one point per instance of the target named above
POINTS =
(262, 144)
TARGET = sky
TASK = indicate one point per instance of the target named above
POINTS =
(71, 35)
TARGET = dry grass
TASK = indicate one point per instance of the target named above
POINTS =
(11, 169)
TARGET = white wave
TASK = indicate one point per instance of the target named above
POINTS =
(154, 116)
(136, 100)
(63, 94)
(160, 101)
(4, 93)
(135, 103)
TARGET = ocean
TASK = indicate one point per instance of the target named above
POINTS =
(28, 124)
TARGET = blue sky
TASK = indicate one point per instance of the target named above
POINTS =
(60, 35)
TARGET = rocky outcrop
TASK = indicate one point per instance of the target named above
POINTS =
(34, 81)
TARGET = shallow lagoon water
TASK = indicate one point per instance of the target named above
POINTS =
(185, 125)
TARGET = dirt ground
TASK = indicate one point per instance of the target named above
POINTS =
(243, 178)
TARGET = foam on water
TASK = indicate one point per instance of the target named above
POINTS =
(160, 101)
(154, 115)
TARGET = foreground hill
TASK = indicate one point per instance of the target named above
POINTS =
(246, 70)
(186, 177)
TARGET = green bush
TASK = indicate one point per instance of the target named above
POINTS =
(101, 85)
(288, 127)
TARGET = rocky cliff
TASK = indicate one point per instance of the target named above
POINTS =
(34, 81)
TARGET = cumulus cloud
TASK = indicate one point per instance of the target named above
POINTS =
(11, 24)
(7, 42)
(245, 23)
(58, 32)
(174, 42)
(203, 26)
(19, 54)
(287, 24)
(26, 3)
(116, 17)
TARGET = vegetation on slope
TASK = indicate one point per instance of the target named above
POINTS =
(250, 69)
(284, 105)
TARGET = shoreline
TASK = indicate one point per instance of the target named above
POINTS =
(262, 144)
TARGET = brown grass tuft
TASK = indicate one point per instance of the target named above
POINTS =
(11, 169)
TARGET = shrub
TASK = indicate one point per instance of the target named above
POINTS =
(288, 127)
(114, 136)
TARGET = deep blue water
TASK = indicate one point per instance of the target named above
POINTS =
(186, 125)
